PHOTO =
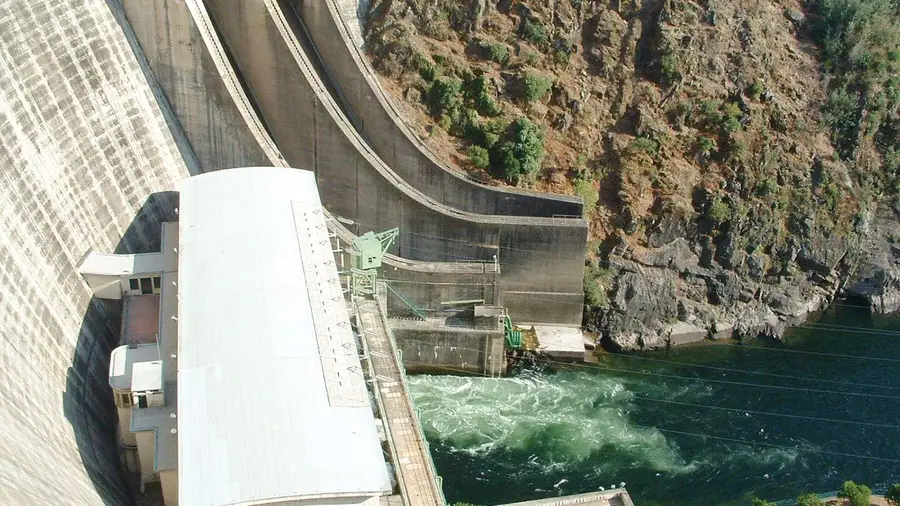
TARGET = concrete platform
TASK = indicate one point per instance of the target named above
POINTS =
(566, 343)
(684, 333)
(618, 497)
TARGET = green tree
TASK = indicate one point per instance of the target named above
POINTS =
(522, 156)
(536, 86)
(478, 91)
(479, 157)
(444, 95)
(719, 212)
(761, 502)
(809, 500)
(529, 145)
(859, 495)
(893, 495)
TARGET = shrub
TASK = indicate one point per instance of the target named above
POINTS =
(536, 86)
(705, 145)
(859, 495)
(842, 114)
(464, 122)
(479, 157)
(596, 280)
(531, 58)
(561, 57)
(860, 41)
(809, 500)
(444, 95)
(761, 502)
(535, 33)
(588, 192)
(668, 68)
(486, 134)
(719, 212)
(893, 495)
(678, 112)
(643, 145)
(731, 117)
(427, 69)
(767, 186)
(755, 90)
(708, 114)
(495, 52)
(479, 93)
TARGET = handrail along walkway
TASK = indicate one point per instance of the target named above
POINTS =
(416, 475)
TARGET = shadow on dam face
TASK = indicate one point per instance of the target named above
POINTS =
(87, 400)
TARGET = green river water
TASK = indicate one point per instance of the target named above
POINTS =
(546, 433)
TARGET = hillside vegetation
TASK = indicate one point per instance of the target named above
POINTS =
(731, 155)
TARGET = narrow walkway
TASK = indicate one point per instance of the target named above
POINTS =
(415, 475)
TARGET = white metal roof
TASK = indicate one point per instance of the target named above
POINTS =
(122, 362)
(110, 264)
(147, 376)
(264, 412)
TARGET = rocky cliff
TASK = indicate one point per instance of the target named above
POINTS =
(738, 160)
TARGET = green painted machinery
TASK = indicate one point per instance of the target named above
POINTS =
(513, 336)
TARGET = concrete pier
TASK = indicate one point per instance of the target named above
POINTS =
(440, 347)
(618, 497)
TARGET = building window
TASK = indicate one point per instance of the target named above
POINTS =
(146, 286)
(133, 284)
(157, 283)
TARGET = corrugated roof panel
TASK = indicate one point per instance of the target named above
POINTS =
(256, 414)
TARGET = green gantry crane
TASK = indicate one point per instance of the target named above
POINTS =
(366, 255)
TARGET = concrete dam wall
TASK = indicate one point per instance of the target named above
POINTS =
(355, 183)
(83, 143)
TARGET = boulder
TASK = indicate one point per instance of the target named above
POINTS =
(677, 255)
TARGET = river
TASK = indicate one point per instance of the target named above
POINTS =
(671, 424)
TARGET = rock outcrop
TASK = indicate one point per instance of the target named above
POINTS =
(725, 199)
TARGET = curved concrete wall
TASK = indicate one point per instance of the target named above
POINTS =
(84, 142)
(379, 123)
(312, 133)
(192, 68)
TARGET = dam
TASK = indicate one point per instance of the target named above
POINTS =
(108, 104)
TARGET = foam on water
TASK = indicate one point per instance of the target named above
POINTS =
(566, 417)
